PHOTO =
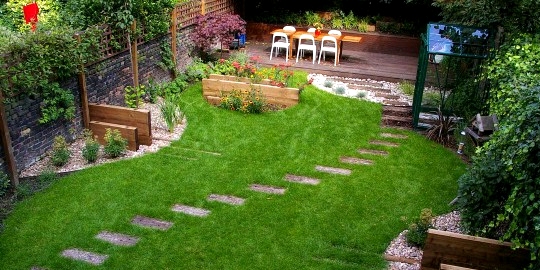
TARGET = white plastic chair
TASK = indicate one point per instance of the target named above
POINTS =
(311, 30)
(280, 40)
(288, 28)
(334, 32)
(309, 44)
(330, 46)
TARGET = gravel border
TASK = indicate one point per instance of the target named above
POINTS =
(161, 137)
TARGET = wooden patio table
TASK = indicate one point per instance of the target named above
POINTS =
(295, 35)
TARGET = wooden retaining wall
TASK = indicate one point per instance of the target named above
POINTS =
(134, 124)
(217, 85)
(447, 250)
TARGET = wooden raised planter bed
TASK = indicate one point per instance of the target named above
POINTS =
(217, 86)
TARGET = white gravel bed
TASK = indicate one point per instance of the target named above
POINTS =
(320, 79)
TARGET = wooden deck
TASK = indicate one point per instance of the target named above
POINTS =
(354, 63)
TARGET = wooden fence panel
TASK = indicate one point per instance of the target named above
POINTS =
(187, 12)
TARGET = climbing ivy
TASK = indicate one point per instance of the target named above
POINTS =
(500, 193)
(33, 64)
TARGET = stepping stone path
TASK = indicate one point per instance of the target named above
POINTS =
(394, 136)
(228, 199)
(190, 210)
(85, 256)
(117, 238)
(333, 170)
(151, 223)
(353, 160)
(302, 179)
(373, 152)
(384, 143)
(267, 189)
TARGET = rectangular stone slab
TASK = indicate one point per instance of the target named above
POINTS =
(373, 152)
(353, 160)
(333, 170)
(302, 179)
(384, 143)
(228, 199)
(151, 223)
(267, 189)
(84, 256)
(190, 210)
(118, 238)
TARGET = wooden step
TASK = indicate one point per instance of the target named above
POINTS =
(389, 120)
(396, 103)
(405, 111)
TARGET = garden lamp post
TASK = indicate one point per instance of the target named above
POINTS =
(461, 142)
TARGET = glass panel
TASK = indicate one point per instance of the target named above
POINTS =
(457, 40)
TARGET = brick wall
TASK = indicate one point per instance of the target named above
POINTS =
(105, 82)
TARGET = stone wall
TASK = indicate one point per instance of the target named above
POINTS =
(105, 81)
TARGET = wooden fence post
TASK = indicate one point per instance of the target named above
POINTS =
(174, 28)
(84, 92)
(203, 7)
(6, 144)
(134, 57)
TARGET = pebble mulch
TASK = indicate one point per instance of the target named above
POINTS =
(160, 134)
(350, 85)
(399, 247)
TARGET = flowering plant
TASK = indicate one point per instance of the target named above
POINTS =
(318, 25)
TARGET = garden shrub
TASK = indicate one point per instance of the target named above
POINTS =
(197, 70)
(417, 233)
(47, 176)
(60, 152)
(115, 144)
(91, 147)
(499, 194)
(213, 28)
(340, 90)
(133, 95)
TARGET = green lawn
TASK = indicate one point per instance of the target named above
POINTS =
(344, 222)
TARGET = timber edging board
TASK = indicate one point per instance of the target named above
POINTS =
(139, 118)
(213, 89)
(468, 251)
(128, 132)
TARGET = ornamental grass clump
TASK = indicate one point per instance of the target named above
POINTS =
(170, 110)
(60, 153)
(115, 144)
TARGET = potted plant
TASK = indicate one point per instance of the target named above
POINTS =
(318, 27)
